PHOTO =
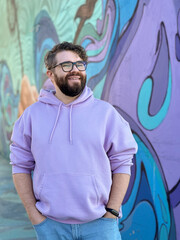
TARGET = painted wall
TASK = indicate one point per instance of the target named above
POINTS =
(134, 63)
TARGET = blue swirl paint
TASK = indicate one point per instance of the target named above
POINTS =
(147, 121)
(46, 45)
(127, 8)
(148, 189)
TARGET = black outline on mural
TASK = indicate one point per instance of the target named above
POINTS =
(159, 40)
(177, 36)
(162, 25)
(172, 192)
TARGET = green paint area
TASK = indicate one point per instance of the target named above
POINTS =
(99, 88)
(14, 223)
(89, 30)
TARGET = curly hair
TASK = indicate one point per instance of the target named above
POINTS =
(50, 57)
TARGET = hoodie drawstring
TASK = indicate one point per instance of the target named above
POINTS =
(48, 97)
(70, 124)
(57, 117)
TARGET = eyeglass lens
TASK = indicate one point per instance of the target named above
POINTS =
(68, 66)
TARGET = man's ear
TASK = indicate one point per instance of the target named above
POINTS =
(50, 74)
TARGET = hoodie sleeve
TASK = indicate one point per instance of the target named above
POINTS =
(21, 158)
(122, 146)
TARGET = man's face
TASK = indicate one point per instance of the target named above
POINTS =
(69, 83)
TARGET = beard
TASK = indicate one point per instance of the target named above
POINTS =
(70, 90)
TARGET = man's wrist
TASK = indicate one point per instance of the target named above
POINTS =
(109, 215)
(113, 205)
(112, 211)
(35, 216)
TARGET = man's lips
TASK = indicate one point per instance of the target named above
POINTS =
(74, 78)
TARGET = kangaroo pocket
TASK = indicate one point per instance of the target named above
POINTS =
(67, 196)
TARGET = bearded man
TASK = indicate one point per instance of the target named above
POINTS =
(80, 151)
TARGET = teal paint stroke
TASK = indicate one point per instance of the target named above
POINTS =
(163, 235)
(86, 43)
(93, 53)
(89, 28)
(104, 6)
(157, 189)
(127, 8)
(147, 121)
(99, 88)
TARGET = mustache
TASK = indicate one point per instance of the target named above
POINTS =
(74, 74)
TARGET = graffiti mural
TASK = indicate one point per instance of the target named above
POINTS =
(133, 49)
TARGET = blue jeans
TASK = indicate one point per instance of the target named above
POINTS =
(100, 229)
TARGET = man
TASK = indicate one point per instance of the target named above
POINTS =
(80, 151)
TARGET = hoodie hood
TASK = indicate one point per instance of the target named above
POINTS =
(48, 97)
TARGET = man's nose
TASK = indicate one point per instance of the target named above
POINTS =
(74, 68)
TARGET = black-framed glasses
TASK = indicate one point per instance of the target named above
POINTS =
(68, 66)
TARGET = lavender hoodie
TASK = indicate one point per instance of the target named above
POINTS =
(73, 150)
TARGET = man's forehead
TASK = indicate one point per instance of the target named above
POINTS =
(67, 56)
